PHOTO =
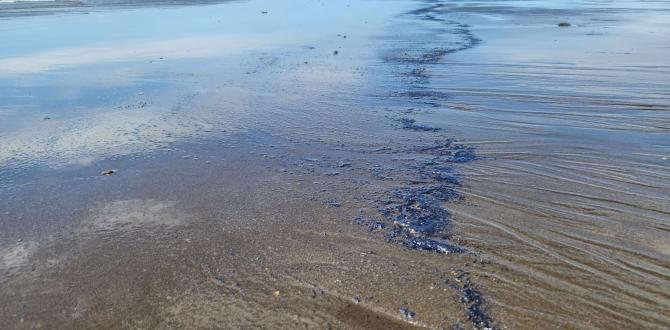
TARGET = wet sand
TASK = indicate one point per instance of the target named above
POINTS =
(328, 165)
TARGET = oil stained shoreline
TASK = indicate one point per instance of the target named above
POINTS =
(499, 172)
(410, 211)
(570, 194)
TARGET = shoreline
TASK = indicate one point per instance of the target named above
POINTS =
(421, 166)
(52, 7)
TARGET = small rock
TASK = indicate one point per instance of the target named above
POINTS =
(335, 52)
(276, 293)
(564, 24)
(379, 225)
(108, 172)
(406, 313)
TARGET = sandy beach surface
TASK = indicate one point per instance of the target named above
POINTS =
(367, 164)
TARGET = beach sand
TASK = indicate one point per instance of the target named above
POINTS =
(370, 164)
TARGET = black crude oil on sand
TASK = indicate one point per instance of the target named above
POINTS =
(367, 164)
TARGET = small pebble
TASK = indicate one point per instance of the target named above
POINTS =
(406, 313)
(108, 172)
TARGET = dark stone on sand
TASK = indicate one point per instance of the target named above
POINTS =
(407, 313)
(378, 225)
(564, 24)
(108, 172)
(335, 52)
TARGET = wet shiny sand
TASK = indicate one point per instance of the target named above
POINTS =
(573, 198)
(364, 165)
(237, 245)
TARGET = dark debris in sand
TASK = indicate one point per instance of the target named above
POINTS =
(410, 124)
(108, 172)
(472, 300)
(415, 212)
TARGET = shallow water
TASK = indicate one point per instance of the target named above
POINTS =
(521, 168)
(574, 197)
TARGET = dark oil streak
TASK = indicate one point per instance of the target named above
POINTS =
(414, 215)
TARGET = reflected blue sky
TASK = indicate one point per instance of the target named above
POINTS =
(69, 72)
(79, 87)
(127, 29)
